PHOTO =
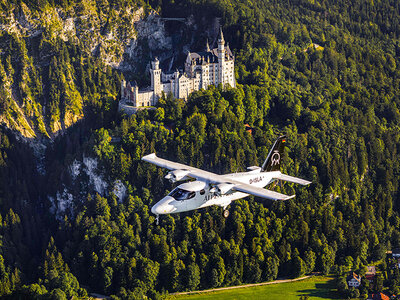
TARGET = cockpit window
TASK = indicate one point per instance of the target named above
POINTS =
(180, 195)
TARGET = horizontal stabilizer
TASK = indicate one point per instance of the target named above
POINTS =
(285, 177)
(261, 192)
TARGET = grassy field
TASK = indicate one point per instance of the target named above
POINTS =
(316, 288)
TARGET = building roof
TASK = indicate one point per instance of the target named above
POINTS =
(207, 46)
(203, 57)
(378, 296)
(228, 51)
(221, 35)
(132, 83)
(209, 55)
(248, 128)
(371, 270)
(354, 276)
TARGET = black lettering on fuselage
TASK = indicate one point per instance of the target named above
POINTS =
(214, 196)
(256, 179)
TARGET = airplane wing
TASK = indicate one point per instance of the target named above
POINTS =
(215, 178)
(192, 171)
(163, 163)
(261, 192)
(285, 177)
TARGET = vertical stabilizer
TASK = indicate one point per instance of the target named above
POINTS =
(274, 158)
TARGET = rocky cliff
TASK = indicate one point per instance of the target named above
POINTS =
(55, 61)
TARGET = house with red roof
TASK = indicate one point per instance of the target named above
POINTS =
(378, 296)
(370, 274)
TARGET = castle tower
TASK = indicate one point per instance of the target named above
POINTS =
(176, 84)
(207, 47)
(123, 87)
(155, 72)
(221, 57)
(188, 65)
(135, 95)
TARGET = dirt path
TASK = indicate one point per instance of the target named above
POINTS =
(242, 286)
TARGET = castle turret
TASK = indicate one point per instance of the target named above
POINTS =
(123, 86)
(155, 64)
(188, 64)
(221, 57)
(207, 47)
(155, 72)
(221, 36)
(176, 84)
(135, 95)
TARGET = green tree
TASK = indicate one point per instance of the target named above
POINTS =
(193, 276)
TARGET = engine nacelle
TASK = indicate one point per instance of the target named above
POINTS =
(222, 188)
(176, 175)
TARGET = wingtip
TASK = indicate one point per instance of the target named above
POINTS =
(289, 197)
(151, 155)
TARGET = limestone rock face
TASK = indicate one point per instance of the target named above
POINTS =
(96, 31)
(152, 28)
(84, 176)
(151, 37)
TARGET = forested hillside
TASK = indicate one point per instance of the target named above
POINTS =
(324, 73)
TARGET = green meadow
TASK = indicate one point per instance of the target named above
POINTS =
(315, 288)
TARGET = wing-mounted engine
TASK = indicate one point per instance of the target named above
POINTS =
(177, 175)
(222, 188)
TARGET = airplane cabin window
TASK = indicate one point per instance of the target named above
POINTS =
(180, 195)
(202, 192)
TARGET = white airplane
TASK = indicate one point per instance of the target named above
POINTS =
(213, 189)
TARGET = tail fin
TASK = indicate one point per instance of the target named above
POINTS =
(273, 161)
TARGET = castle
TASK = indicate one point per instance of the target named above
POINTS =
(202, 69)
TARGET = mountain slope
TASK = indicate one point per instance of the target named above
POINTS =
(46, 67)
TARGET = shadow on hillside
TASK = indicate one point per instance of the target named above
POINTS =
(322, 290)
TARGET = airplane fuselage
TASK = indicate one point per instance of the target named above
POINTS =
(199, 193)
(213, 189)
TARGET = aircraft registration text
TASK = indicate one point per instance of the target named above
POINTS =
(255, 180)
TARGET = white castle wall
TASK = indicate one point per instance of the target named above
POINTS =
(201, 70)
(145, 99)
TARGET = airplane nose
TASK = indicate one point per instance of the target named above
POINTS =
(154, 209)
(163, 206)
